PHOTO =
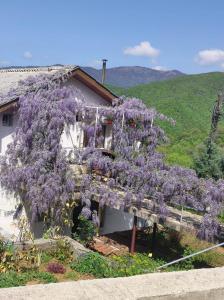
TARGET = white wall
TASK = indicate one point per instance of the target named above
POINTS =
(72, 137)
(90, 96)
(8, 226)
(116, 220)
(6, 132)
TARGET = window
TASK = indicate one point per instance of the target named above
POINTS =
(7, 120)
(100, 138)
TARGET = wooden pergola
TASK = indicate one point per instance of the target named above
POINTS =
(176, 219)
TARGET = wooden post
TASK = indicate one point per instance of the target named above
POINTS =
(154, 236)
(133, 237)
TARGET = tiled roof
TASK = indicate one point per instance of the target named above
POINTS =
(9, 79)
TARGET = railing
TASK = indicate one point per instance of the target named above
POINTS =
(189, 256)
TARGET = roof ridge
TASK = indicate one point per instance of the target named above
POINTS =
(37, 69)
(24, 70)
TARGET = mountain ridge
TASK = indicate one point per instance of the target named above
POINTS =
(122, 76)
(128, 76)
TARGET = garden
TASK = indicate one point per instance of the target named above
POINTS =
(33, 265)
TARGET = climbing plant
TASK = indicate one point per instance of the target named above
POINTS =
(37, 169)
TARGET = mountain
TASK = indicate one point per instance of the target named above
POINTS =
(131, 76)
(122, 76)
(187, 99)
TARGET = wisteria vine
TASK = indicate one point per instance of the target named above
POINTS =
(37, 169)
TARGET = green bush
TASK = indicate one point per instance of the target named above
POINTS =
(92, 263)
(204, 260)
(117, 266)
(6, 246)
(62, 252)
(129, 265)
(11, 279)
(43, 277)
(85, 231)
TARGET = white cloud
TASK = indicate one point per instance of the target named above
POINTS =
(160, 68)
(27, 55)
(210, 57)
(143, 49)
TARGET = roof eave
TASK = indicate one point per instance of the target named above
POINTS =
(78, 73)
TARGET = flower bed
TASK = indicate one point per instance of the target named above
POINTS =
(58, 263)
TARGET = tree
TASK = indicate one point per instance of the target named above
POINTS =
(209, 161)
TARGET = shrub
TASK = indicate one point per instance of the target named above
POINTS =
(85, 231)
(92, 263)
(11, 279)
(5, 246)
(127, 265)
(42, 277)
(16, 260)
(55, 267)
(62, 252)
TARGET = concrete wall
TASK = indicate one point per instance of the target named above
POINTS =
(116, 220)
(202, 284)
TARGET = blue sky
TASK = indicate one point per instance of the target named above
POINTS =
(169, 34)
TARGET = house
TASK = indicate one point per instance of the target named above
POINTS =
(95, 94)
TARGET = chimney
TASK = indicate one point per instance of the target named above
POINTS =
(104, 70)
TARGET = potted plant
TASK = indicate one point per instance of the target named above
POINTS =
(108, 120)
(132, 123)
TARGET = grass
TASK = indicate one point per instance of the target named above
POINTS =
(187, 99)
(171, 245)
(12, 278)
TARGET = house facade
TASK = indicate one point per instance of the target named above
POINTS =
(95, 95)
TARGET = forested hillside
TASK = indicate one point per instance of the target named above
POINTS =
(189, 100)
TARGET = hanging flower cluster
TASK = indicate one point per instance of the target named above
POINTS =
(35, 166)
(37, 169)
(139, 171)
